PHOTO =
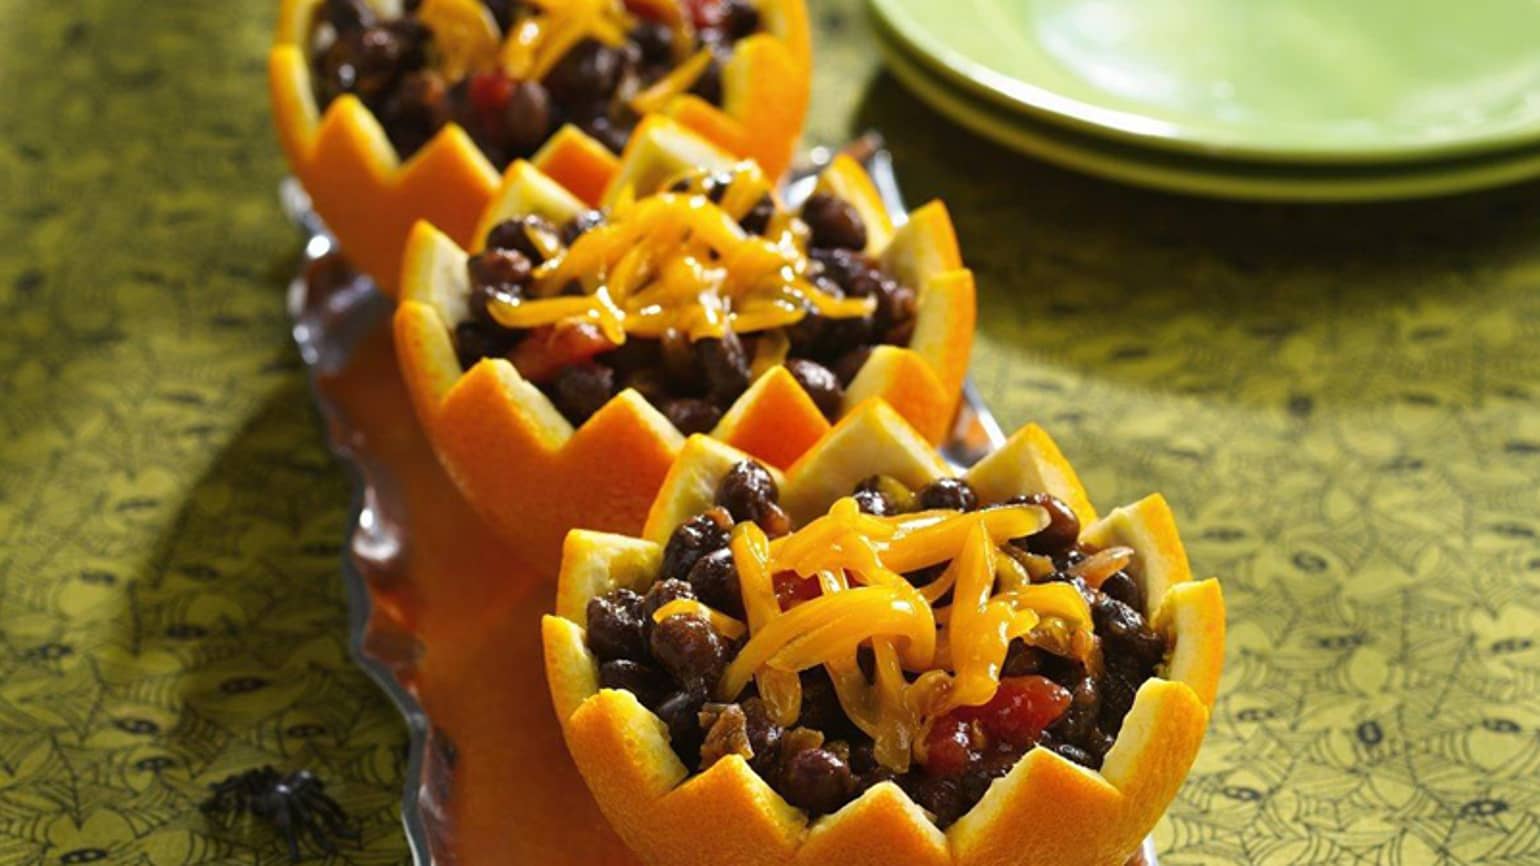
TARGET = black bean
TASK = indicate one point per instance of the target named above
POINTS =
(582, 389)
(758, 218)
(816, 780)
(693, 539)
(646, 682)
(586, 74)
(952, 493)
(651, 384)
(820, 383)
(1084, 710)
(503, 11)
(346, 16)
(709, 85)
(659, 594)
(899, 498)
(942, 797)
(607, 131)
(807, 335)
(1124, 631)
(764, 736)
(1063, 527)
(379, 61)
(499, 268)
(337, 69)
(690, 650)
(680, 711)
(690, 415)
(726, 367)
(527, 117)
(636, 353)
(872, 502)
(850, 364)
(579, 225)
(474, 341)
(1122, 587)
(656, 42)
(414, 38)
(833, 223)
(747, 491)
(848, 269)
(1077, 755)
(715, 581)
(982, 773)
(680, 362)
(1118, 686)
(1021, 659)
(821, 708)
(515, 234)
(417, 110)
(739, 19)
(615, 626)
(897, 306)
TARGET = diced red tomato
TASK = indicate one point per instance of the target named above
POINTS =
(704, 13)
(549, 348)
(791, 588)
(949, 746)
(1022, 708)
(490, 92)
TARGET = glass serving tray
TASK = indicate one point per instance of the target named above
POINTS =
(440, 613)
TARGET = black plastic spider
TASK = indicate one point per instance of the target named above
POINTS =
(296, 805)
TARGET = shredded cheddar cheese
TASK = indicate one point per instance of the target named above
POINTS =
(536, 43)
(729, 627)
(678, 261)
(953, 651)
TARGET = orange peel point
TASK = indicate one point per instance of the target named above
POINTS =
(370, 198)
(1045, 810)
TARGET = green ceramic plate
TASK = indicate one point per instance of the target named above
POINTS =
(1346, 81)
(1214, 177)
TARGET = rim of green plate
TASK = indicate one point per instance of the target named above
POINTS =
(1024, 99)
(1213, 178)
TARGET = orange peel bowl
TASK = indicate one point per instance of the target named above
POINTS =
(533, 476)
(370, 199)
(1046, 810)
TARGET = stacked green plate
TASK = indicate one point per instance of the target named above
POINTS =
(1305, 100)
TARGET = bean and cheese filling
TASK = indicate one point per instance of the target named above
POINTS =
(687, 296)
(905, 636)
(512, 72)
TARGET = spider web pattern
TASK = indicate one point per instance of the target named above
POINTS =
(170, 608)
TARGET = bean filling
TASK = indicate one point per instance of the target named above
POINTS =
(450, 61)
(1047, 696)
(692, 380)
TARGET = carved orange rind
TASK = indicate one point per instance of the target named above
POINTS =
(370, 199)
(1046, 810)
(524, 467)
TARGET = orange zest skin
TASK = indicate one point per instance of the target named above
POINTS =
(370, 198)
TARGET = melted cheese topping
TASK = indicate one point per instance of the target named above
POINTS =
(955, 650)
(677, 261)
(536, 43)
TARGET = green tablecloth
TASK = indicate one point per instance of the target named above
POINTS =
(1341, 405)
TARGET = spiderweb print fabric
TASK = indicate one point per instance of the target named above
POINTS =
(1343, 407)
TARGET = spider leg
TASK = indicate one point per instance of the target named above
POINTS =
(283, 820)
(336, 819)
(308, 824)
